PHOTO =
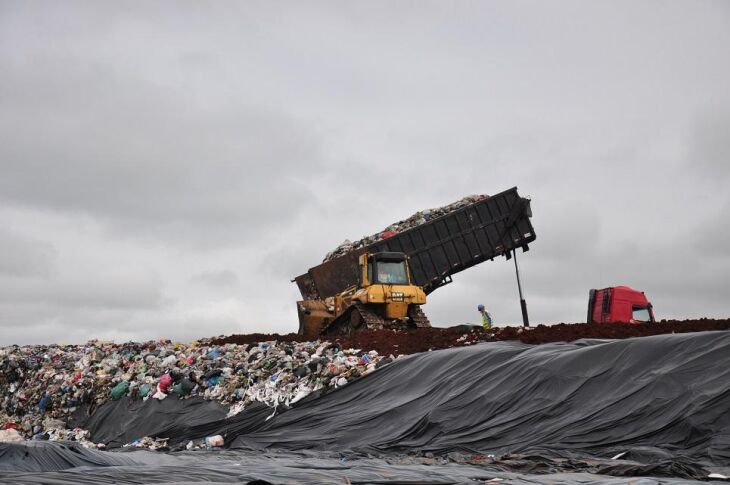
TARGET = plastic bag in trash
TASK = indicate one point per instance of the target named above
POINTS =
(120, 390)
(214, 441)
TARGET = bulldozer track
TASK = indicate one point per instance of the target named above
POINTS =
(358, 317)
(353, 319)
(418, 318)
(371, 319)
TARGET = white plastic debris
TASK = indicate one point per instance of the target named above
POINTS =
(718, 476)
(10, 436)
(235, 409)
(214, 441)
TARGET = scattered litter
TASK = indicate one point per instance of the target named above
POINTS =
(10, 435)
(214, 441)
(149, 443)
(718, 476)
(42, 385)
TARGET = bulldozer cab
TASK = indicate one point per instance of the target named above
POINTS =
(384, 296)
(387, 268)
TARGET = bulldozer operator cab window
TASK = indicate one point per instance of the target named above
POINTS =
(392, 272)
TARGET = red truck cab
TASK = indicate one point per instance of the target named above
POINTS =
(619, 304)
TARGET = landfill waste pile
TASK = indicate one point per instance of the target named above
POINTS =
(638, 410)
(420, 217)
(41, 386)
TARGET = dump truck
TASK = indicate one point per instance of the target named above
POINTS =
(619, 304)
(346, 294)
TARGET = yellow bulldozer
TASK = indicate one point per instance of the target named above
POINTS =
(385, 297)
(384, 283)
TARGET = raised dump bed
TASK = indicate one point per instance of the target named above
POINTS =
(439, 248)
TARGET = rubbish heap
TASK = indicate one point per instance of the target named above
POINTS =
(42, 385)
(420, 217)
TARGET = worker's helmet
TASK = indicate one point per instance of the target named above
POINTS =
(480, 308)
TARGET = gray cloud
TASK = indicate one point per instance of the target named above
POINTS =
(712, 237)
(216, 278)
(79, 132)
(710, 143)
(143, 166)
(21, 256)
(97, 289)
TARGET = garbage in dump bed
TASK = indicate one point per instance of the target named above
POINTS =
(41, 386)
(420, 217)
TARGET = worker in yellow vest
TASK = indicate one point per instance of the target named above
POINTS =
(486, 317)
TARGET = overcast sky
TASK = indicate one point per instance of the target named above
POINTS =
(166, 168)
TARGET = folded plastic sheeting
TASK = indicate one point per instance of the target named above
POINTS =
(117, 423)
(37, 456)
(120, 422)
(668, 393)
(50, 463)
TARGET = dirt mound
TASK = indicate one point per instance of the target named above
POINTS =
(568, 332)
(423, 339)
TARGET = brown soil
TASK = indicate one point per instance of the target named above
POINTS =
(423, 339)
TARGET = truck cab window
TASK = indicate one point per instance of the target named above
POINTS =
(392, 272)
(641, 315)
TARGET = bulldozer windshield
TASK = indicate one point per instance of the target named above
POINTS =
(392, 272)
